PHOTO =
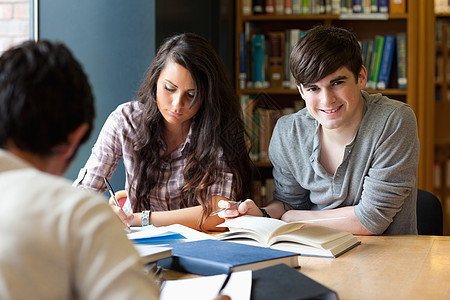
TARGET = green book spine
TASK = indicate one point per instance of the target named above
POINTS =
(376, 61)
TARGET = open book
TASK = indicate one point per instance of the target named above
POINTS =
(311, 240)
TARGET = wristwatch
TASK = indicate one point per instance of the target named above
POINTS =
(145, 217)
(264, 212)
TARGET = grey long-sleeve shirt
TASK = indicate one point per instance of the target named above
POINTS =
(377, 175)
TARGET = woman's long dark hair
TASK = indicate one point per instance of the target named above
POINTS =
(217, 126)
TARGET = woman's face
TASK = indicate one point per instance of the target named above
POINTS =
(174, 94)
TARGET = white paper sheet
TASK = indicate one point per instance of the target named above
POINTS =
(207, 287)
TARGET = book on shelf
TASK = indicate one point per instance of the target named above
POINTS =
(282, 282)
(296, 7)
(367, 55)
(386, 62)
(401, 60)
(374, 6)
(250, 30)
(336, 7)
(357, 6)
(383, 6)
(279, 7)
(258, 73)
(288, 7)
(397, 6)
(264, 133)
(242, 60)
(287, 52)
(311, 240)
(294, 36)
(276, 59)
(305, 7)
(366, 7)
(258, 7)
(269, 7)
(375, 62)
(247, 8)
(212, 257)
(346, 7)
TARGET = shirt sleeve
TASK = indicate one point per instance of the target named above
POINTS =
(392, 175)
(104, 157)
(287, 188)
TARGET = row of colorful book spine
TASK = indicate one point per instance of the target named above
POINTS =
(264, 59)
(380, 55)
(308, 7)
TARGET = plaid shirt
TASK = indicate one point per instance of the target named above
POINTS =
(116, 141)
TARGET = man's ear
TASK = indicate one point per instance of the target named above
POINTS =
(362, 78)
(300, 90)
(73, 140)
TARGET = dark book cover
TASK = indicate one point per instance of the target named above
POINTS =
(282, 282)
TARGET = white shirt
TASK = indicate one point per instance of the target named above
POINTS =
(59, 242)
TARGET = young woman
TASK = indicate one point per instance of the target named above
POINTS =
(182, 141)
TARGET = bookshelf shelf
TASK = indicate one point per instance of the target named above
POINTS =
(366, 17)
(418, 24)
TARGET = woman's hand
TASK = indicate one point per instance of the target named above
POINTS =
(248, 207)
(125, 218)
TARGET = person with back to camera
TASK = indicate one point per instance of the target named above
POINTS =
(182, 141)
(56, 241)
(348, 156)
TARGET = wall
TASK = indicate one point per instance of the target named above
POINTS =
(114, 41)
(14, 22)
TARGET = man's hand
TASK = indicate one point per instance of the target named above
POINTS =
(248, 207)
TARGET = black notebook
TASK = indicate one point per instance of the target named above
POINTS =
(282, 282)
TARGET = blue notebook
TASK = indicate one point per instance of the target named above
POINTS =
(212, 257)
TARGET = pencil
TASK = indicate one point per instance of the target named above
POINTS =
(111, 192)
(225, 282)
(225, 208)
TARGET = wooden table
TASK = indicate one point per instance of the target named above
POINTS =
(383, 267)
(387, 267)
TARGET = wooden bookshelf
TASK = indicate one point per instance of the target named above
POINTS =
(417, 22)
(442, 110)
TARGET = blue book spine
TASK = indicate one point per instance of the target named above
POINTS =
(383, 6)
(242, 61)
(357, 6)
(258, 61)
(386, 62)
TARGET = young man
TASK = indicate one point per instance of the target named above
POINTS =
(348, 156)
(56, 241)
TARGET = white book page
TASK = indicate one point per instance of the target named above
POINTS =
(263, 226)
(207, 287)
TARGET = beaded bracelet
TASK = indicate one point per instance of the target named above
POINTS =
(145, 217)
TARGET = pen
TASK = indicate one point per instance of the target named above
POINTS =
(111, 192)
(225, 283)
(225, 208)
